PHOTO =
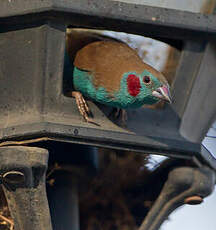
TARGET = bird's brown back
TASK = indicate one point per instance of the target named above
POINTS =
(107, 61)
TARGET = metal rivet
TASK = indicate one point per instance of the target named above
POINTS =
(76, 132)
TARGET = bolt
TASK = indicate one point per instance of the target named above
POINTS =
(76, 132)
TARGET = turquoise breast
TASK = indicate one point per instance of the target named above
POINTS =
(82, 81)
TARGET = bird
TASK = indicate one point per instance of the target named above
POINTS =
(113, 74)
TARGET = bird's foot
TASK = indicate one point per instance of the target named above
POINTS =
(119, 114)
(82, 106)
(124, 117)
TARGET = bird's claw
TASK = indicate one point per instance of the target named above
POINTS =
(83, 107)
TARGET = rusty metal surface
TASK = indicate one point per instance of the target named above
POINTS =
(26, 195)
(116, 16)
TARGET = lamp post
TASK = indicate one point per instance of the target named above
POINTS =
(34, 109)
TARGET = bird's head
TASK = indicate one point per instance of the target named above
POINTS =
(146, 87)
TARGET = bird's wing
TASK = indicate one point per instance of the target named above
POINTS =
(107, 61)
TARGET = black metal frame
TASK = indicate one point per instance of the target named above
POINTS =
(178, 130)
(160, 22)
(33, 107)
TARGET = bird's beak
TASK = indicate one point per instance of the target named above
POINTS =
(163, 93)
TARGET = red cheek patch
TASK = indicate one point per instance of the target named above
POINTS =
(133, 84)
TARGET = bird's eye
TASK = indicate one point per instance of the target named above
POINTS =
(146, 79)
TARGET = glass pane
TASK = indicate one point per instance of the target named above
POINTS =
(196, 6)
